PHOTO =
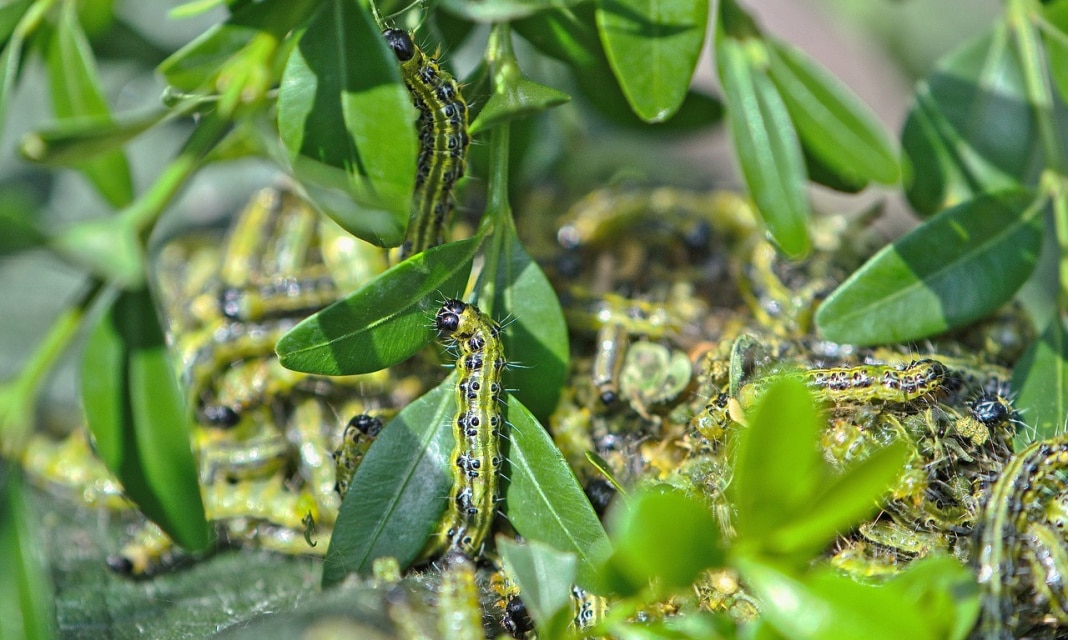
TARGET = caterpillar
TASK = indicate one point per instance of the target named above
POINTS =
(443, 141)
(459, 613)
(359, 434)
(476, 457)
(865, 383)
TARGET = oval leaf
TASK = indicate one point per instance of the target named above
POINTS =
(139, 419)
(544, 576)
(25, 593)
(971, 129)
(399, 491)
(544, 501)
(1040, 381)
(834, 126)
(959, 266)
(349, 124)
(385, 321)
(653, 48)
(536, 337)
(76, 93)
(767, 147)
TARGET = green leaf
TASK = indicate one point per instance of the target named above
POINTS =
(71, 142)
(349, 124)
(766, 145)
(833, 124)
(828, 604)
(25, 592)
(519, 98)
(653, 49)
(11, 13)
(11, 58)
(664, 536)
(18, 218)
(1040, 381)
(536, 336)
(957, 267)
(383, 322)
(544, 501)
(397, 495)
(108, 247)
(544, 576)
(971, 129)
(778, 469)
(139, 418)
(843, 502)
(76, 93)
(944, 593)
(1055, 37)
(196, 65)
(502, 10)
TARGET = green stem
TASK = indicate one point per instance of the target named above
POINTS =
(144, 213)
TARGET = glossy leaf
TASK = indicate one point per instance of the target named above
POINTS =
(666, 537)
(544, 576)
(828, 604)
(778, 468)
(535, 338)
(1040, 382)
(383, 322)
(399, 491)
(961, 265)
(520, 98)
(349, 124)
(544, 501)
(70, 143)
(139, 419)
(834, 126)
(971, 129)
(767, 147)
(25, 593)
(843, 502)
(653, 49)
(77, 93)
(195, 65)
(501, 10)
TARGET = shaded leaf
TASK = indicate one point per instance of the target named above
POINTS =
(653, 49)
(520, 98)
(25, 593)
(971, 129)
(767, 147)
(1040, 381)
(349, 124)
(944, 593)
(18, 218)
(139, 418)
(383, 322)
(77, 93)
(535, 337)
(399, 491)
(834, 126)
(544, 501)
(957, 267)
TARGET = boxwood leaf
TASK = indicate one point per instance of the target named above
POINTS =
(653, 49)
(1040, 381)
(26, 596)
(399, 491)
(383, 322)
(954, 269)
(544, 500)
(139, 418)
(349, 124)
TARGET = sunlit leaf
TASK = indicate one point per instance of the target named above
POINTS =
(653, 49)
(385, 321)
(544, 501)
(139, 419)
(348, 123)
(959, 266)
(1040, 381)
(399, 491)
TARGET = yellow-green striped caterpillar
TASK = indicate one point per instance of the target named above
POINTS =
(443, 141)
(476, 458)
(359, 434)
(864, 383)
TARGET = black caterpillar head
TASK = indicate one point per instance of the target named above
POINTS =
(448, 318)
(401, 43)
